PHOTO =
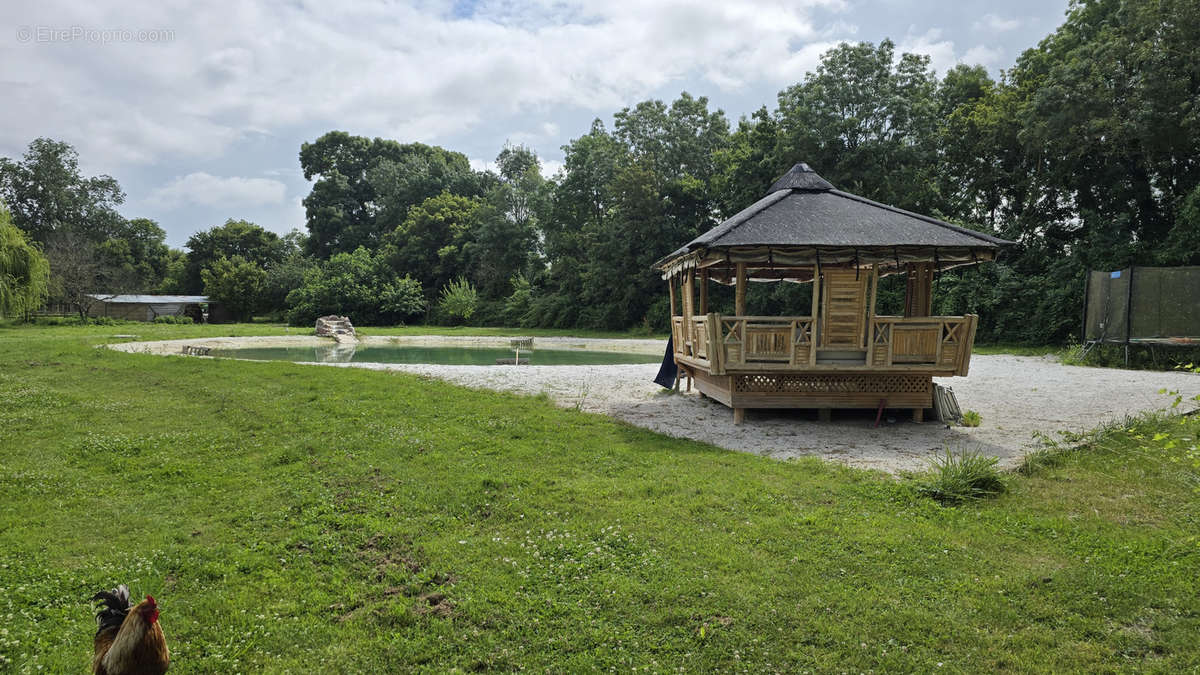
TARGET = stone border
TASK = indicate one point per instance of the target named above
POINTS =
(176, 347)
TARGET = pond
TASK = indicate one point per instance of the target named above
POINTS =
(439, 355)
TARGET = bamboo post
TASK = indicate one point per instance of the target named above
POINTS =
(918, 291)
(685, 282)
(739, 302)
(687, 311)
(671, 290)
(716, 349)
(871, 312)
(816, 304)
(704, 291)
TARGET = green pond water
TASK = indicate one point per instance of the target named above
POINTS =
(450, 356)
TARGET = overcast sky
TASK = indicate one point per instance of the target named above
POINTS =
(199, 108)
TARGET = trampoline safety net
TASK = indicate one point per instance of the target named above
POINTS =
(1143, 304)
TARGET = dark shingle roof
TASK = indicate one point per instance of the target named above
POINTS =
(800, 177)
(803, 209)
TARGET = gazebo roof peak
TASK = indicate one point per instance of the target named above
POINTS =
(801, 177)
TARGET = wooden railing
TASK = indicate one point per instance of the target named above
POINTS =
(940, 343)
(766, 339)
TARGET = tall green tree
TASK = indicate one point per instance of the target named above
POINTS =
(865, 120)
(505, 238)
(626, 199)
(235, 283)
(24, 271)
(749, 163)
(238, 238)
(48, 194)
(364, 188)
(136, 254)
(433, 243)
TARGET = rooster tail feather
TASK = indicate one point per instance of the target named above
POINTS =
(111, 607)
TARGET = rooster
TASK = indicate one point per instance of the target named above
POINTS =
(129, 640)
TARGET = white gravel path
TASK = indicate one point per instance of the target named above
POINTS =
(1016, 396)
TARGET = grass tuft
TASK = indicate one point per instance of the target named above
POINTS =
(958, 477)
(971, 418)
(1040, 460)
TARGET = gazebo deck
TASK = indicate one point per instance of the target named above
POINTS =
(774, 361)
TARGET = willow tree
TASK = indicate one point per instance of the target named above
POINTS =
(24, 271)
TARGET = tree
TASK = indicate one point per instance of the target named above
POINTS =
(360, 285)
(458, 299)
(433, 243)
(626, 199)
(136, 255)
(24, 271)
(174, 280)
(49, 196)
(76, 271)
(235, 283)
(866, 120)
(749, 164)
(235, 238)
(282, 278)
(506, 241)
(364, 188)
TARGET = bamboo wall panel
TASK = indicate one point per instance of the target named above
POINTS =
(844, 307)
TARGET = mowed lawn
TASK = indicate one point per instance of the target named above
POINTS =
(294, 518)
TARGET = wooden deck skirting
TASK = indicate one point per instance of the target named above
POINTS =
(826, 390)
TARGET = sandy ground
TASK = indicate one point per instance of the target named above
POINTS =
(1017, 396)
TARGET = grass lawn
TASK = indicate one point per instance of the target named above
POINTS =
(294, 518)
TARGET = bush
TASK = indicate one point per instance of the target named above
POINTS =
(956, 478)
(359, 285)
(108, 321)
(971, 418)
(458, 301)
(173, 319)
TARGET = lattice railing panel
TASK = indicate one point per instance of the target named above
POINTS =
(832, 384)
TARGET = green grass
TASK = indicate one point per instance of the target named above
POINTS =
(971, 418)
(963, 476)
(301, 519)
(1019, 350)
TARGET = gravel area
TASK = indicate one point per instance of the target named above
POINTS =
(1017, 397)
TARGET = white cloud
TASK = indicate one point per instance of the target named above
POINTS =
(996, 24)
(943, 54)
(202, 189)
(551, 167)
(982, 55)
(233, 70)
(940, 51)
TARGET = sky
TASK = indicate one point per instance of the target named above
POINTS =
(199, 109)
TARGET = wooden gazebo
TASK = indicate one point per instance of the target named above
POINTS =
(844, 355)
